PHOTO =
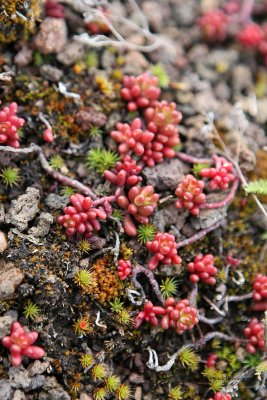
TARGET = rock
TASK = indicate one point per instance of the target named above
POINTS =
(19, 378)
(19, 395)
(73, 52)
(38, 367)
(10, 278)
(43, 226)
(168, 216)
(23, 209)
(23, 57)
(208, 217)
(154, 14)
(51, 73)
(88, 118)
(166, 175)
(5, 324)
(85, 396)
(52, 36)
(2, 213)
(241, 78)
(135, 63)
(3, 242)
(6, 390)
(138, 393)
(56, 202)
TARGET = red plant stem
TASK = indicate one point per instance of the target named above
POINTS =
(193, 160)
(200, 234)
(65, 180)
(225, 201)
(150, 276)
(109, 199)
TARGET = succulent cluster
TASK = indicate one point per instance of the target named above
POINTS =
(202, 269)
(178, 315)
(190, 194)
(156, 142)
(260, 288)
(221, 175)
(254, 333)
(124, 269)
(132, 138)
(9, 125)
(211, 360)
(140, 203)
(81, 217)
(20, 343)
(216, 25)
(164, 248)
(125, 173)
(141, 91)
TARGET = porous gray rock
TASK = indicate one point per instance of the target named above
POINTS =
(51, 73)
(73, 52)
(166, 175)
(52, 36)
(5, 390)
(3, 242)
(23, 209)
(209, 217)
(5, 324)
(168, 216)
(56, 202)
(19, 395)
(43, 226)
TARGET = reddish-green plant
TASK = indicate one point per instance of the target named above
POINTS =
(149, 314)
(214, 25)
(81, 217)
(190, 194)
(254, 333)
(141, 91)
(20, 343)
(125, 173)
(202, 269)
(221, 175)
(132, 138)
(9, 125)
(164, 247)
(140, 203)
(179, 315)
(124, 269)
(221, 396)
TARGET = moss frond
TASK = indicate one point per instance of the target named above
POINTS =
(91, 60)
(56, 162)
(189, 359)
(123, 392)
(215, 377)
(31, 310)
(145, 233)
(99, 372)
(252, 360)
(160, 72)
(87, 360)
(84, 279)
(105, 85)
(117, 214)
(82, 326)
(257, 187)
(116, 305)
(10, 176)
(84, 246)
(175, 393)
(95, 131)
(101, 159)
(124, 317)
(112, 383)
(100, 394)
(168, 287)
(67, 191)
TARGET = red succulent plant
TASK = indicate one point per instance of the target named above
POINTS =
(190, 194)
(164, 247)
